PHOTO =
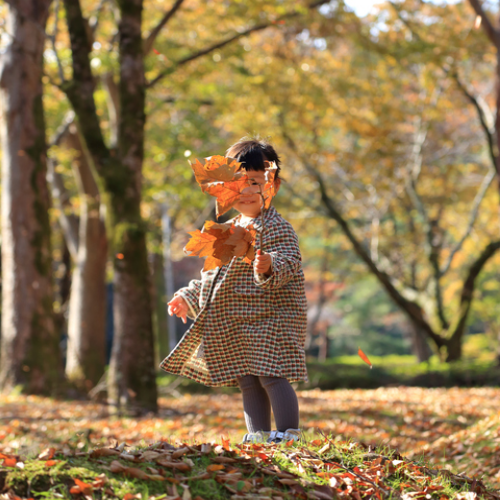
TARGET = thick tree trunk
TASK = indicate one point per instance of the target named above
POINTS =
(132, 371)
(86, 353)
(30, 344)
(132, 381)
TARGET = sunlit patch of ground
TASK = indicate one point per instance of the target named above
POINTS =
(416, 421)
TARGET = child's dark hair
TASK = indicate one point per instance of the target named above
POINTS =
(253, 153)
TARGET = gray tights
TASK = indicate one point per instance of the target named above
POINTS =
(262, 393)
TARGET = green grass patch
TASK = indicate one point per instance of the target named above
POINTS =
(316, 468)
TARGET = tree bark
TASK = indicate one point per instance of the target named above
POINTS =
(30, 354)
(86, 352)
(132, 373)
(419, 345)
(131, 380)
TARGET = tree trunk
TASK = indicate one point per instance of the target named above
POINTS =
(86, 353)
(132, 374)
(419, 345)
(132, 371)
(30, 343)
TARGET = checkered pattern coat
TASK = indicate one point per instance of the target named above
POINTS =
(244, 323)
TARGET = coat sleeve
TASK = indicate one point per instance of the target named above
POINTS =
(282, 244)
(191, 294)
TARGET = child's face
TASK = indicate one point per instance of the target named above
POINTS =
(249, 203)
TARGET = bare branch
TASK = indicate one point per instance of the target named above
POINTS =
(482, 113)
(432, 242)
(488, 27)
(485, 184)
(113, 104)
(227, 41)
(205, 51)
(52, 39)
(69, 222)
(148, 43)
(94, 20)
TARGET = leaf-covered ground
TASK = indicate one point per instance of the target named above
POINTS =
(393, 442)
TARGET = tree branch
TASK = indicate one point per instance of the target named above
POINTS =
(485, 184)
(69, 222)
(150, 40)
(412, 309)
(113, 103)
(432, 245)
(80, 89)
(481, 113)
(488, 27)
(227, 41)
(466, 296)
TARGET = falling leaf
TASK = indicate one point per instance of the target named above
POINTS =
(364, 357)
(477, 22)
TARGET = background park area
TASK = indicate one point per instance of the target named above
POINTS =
(387, 126)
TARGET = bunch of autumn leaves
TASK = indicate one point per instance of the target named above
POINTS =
(222, 178)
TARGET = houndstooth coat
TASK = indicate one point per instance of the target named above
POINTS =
(246, 324)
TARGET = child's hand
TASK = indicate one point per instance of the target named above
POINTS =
(179, 307)
(263, 263)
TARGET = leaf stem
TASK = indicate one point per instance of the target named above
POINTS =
(261, 236)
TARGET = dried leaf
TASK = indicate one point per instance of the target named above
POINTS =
(47, 454)
(224, 460)
(103, 452)
(215, 467)
(81, 488)
(8, 460)
(220, 243)
(180, 452)
(216, 169)
(181, 466)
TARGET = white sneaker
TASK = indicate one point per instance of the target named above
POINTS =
(288, 435)
(256, 437)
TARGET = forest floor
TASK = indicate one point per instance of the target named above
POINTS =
(397, 442)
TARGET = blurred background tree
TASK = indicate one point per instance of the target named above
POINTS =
(385, 124)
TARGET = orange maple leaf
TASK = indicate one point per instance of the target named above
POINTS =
(8, 460)
(222, 178)
(272, 184)
(227, 193)
(81, 488)
(216, 169)
(220, 243)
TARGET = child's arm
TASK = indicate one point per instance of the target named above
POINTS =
(191, 294)
(282, 244)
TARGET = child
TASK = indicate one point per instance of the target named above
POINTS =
(250, 322)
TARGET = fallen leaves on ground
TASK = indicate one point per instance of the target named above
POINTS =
(449, 426)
